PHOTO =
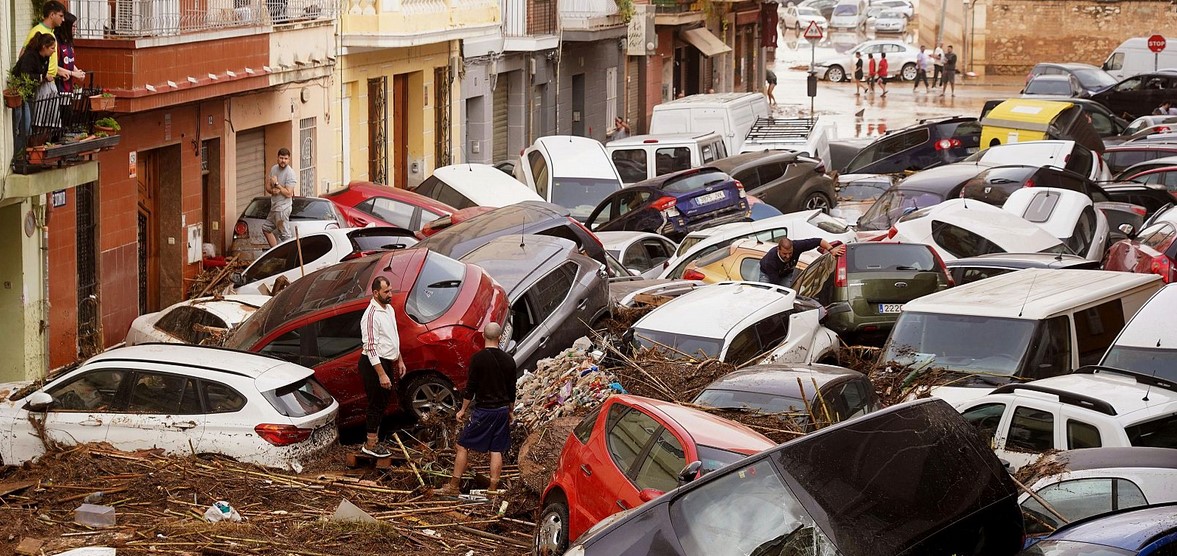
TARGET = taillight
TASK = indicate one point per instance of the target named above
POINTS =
(1139, 210)
(664, 203)
(943, 267)
(840, 277)
(945, 144)
(1162, 129)
(692, 274)
(892, 232)
(1162, 266)
(587, 231)
(282, 435)
(241, 229)
(1030, 182)
(740, 188)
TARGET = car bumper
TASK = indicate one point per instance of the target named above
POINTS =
(291, 457)
(737, 213)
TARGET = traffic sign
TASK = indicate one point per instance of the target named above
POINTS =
(1156, 43)
(814, 32)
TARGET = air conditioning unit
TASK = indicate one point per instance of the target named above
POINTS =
(145, 18)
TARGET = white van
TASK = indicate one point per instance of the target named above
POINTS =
(1148, 344)
(1133, 57)
(1024, 325)
(642, 157)
(728, 114)
(474, 185)
(573, 172)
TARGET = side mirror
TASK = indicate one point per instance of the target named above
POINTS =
(1127, 229)
(511, 347)
(689, 472)
(39, 401)
(237, 279)
(634, 271)
(648, 494)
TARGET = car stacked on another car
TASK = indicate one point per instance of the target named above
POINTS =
(363, 203)
(1090, 78)
(786, 180)
(642, 253)
(1148, 344)
(962, 228)
(1152, 251)
(307, 214)
(194, 321)
(929, 143)
(1068, 215)
(673, 204)
(1140, 94)
(528, 217)
(296, 257)
(1131, 532)
(971, 269)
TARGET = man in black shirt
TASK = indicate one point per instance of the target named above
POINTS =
(779, 266)
(490, 387)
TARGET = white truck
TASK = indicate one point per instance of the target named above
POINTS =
(807, 135)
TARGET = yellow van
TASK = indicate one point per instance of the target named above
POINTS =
(1021, 119)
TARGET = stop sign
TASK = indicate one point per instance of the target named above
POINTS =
(1156, 43)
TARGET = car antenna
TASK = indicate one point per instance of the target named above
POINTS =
(522, 231)
(1027, 298)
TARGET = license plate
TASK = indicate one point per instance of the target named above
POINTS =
(890, 308)
(709, 198)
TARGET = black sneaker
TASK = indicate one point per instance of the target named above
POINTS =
(380, 450)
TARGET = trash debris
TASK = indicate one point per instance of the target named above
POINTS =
(563, 385)
(92, 515)
(29, 546)
(346, 511)
(89, 551)
(93, 498)
(221, 511)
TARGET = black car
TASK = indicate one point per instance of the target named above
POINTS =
(1091, 79)
(673, 204)
(1120, 157)
(913, 479)
(1152, 197)
(996, 184)
(917, 191)
(788, 181)
(556, 294)
(825, 392)
(971, 269)
(1105, 122)
(1140, 94)
(927, 144)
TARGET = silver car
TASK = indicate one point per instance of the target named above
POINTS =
(900, 59)
(890, 21)
(308, 214)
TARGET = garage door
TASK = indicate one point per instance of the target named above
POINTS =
(501, 95)
(251, 167)
(634, 107)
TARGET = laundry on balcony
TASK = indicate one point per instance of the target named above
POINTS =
(59, 131)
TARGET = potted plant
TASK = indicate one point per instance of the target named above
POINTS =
(36, 155)
(102, 102)
(107, 125)
(20, 88)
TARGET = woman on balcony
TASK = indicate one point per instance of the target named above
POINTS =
(67, 62)
(34, 64)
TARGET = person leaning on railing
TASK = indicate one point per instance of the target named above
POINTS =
(34, 64)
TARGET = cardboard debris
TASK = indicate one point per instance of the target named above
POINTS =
(346, 511)
(89, 551)
(29, 546)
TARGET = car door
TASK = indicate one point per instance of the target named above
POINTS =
(162, 410)
(604, 483)
(331, 345)
(989, 418)
(1122, 97)
(1030, 430)
(83, 408)
(658, 250)
(285, 261)
(549, 316)
(605, 212)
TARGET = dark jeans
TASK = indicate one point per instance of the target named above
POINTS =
(937, 75)
(22, 127)
(920, 75)
(378, 397)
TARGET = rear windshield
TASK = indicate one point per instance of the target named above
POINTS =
(1040, 86)
(756, 401)
(875, 257)
(949, 341)
(301, 209)
(436, 288)
(303, 398)
(1159, 362)
(678, 345)
(968, 131)
(581, 195)
(1093, 78)
(1158, 433)
(381, 241)
(696, 181)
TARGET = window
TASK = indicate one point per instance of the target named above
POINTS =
(1158, 433)
(631, 164)
(585, 427)
(539, 172)
(852, 400)
(306, 154)
(452, 197)
(287, 347)
(961, 242)
(395, 213)
(661, 466)
(337, 335)
(1031, 430)
(1114, 62)
(1051, 350)
(743, 347)
(95, 390)
(758, 338)
(436, 288)
(1133, 84)
(749, 178)
(1080, 161)
(1082, 435)
(190, 324)
(657, 250)
(1102, 123)
(285, 257)
(636, 258)
(159, 393)
(1041, 207)
(551, 290)
(812, 281)
(1084, 235)
(672, 159)
(221, 398)
(986, 417)
(888, 146)
(771, 172)
(630, 200)
(1096, 328)
(523, 317)
(695, 181)
(1080, 498)
(300, 399)
(628, 434)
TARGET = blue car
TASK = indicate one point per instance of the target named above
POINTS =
(673, 204)
(1150, 531)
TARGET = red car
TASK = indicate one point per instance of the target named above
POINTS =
(1152, 251)
(364, 203)
(452, 219)
(1165, 176)
(441, 306)
(628, 451)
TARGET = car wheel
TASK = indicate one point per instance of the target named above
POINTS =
(428, 393)
(835, 74)
(551, 532)
(909, 72)
(818, 201)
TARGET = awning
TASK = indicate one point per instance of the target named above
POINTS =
(708, 44)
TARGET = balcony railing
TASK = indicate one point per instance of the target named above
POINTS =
(587, 9)
(99, 19)
(529, 17)
(61, 132)
(676, 6)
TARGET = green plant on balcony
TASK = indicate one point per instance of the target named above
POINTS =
(625, 10)
(20, 86)
(107, 125)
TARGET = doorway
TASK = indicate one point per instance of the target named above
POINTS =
(578, 104)
(90, 340)
(210, 201)
(400, 129)
(161, 234)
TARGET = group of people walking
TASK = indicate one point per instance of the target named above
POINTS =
(942, 61)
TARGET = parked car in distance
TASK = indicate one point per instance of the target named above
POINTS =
(1059, 85)
(904, 7)
(1136, 531)
(799, 17)
(826, 7)
(441, 306)
(1148, 344)
(890, 21)
(737, 322)
(1068, 215)
(1144, 126)
(1152, 251)
(643, 253)
(849, 14)
(642, 157)
(475, 185)
(800, 393)
(864, 289)
(786, 180)
(189, 322)
(630, 450)
(1138, 168)
(959, 228)
(900, 57)
(1091, 79)
(673, 204)
(181, 399)
(924, 145)
(1093, 481)
(557, 295)
(307, 214)
(569, 171)
(294, 258)
(1090, 408)
(1138, 95)
(1105, 122)
(362, 203)
(970, 269)
(725, 512)
(1152, 197)
(1164, 176)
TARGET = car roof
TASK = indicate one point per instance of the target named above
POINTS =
(656, 139)
(511, 259)
(782, 380)
(735, 162)
(1152, 325)
(715, 311)
(369, 189)
(944, 178)
(528, 215)
(657, 183)
(1052, 77)
(1066, 65)
(974, 216)
(736, 229)
(1126, 393)
(710, 98)
(1118, 457)
(617, 240)
(1129, 529)
(1061, 221)
(582, 155)
(267, 372)
(706, 429)
(485, 183)
(1032, 293)
(1020, 260)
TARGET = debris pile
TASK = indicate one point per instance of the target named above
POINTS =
(562, 385)
(215, 280)
(677, 378)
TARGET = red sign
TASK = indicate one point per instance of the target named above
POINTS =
(1156, 43)
(814, 32)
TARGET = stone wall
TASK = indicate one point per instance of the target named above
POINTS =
(1021, 33)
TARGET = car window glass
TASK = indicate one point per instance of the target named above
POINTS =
(91, 391)
(986, 417)
(338, 335)
(1131, 84)
(961, 242)
(221, 398)
(657, 250)
(1080, 161)
(300, 399)
(287, 347)
(631, 164)
(275, 261)
(312, 209)
(1031, 430)
(452, 197)
(743, 348)
(672, 159)
(1159, 237)
(1080, 498)
(1041, 206)
(750, 269)
(772, 331)
(1084, 233)
(190, 324)
(748, 178)
(553, 288)
(1157, 433)
(1050, 350)
(585, 427)
(631, 200)
(627, 437)
(636, 258)
(539, 172)
(1096, 328)
(159, 393)
(436, 288)
(771, 172)
(523, 316)
(660, 468)
(1102, 123)
(1082, 435)
(393, 212)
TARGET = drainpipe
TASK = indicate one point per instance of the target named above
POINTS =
(43, 328)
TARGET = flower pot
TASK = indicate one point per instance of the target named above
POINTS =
(106, 130)
(99, 103)
(12, 99)
(36, 155)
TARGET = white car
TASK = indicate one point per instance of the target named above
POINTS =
(959, 228)
(179, 398)
(307, 214)
(1092, 407)
(318, 250)
(799, 17)
(738, 322)
(900, 60)
(571, 171)
(187, 322)
(1148, 343)
(1068, 215)
(904, 7)
(890, 21)
(1054, 152)
(643, 254)
(797, 225)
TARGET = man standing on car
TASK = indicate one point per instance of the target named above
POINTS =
(490, 386)
(779, 266)
(379, 355)
(280, 185)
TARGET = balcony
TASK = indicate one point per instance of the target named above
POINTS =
(62, 132)
(160, 19)
(586, 20)
(405, 23)
(529, 25)
(677, 12)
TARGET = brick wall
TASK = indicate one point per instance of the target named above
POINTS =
(1022, 33)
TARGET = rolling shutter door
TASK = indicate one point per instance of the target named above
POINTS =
(634, 113)
(501, 95)
(251, 167)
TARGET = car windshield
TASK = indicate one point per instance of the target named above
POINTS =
(704, 178)
(714, 458)
(678, 345)
(1159, 362)
(892, 205)
(581, 195)
(436, 288)
(1093, 78)
(846, 9)
(891, 15)
(756, 401)
(1071, 548)
(949, 341)
(863, 190)
(1040, 86)
(300, 399)
(885, 257)
(300, 209)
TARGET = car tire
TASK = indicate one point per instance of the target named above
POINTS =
(428, 392)
(551, 531)
(817, 200)
(908, 72)
(835, 74)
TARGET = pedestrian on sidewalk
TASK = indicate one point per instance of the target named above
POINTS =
(379, 356)
(280, 185)
(770, 77)
(490, 387)
(949, 71)
(882, 77)
(858, 84)
(871, 71)
(938, 65)
(921, 70)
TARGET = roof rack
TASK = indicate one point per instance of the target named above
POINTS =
(768, 128)
(1142, 378)
(1064, 396)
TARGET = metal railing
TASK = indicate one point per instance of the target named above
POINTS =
(587, 9)
(676, 6)
(529, 17)
(99, 19)
(59, 130)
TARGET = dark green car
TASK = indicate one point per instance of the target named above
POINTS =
(864, 290)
